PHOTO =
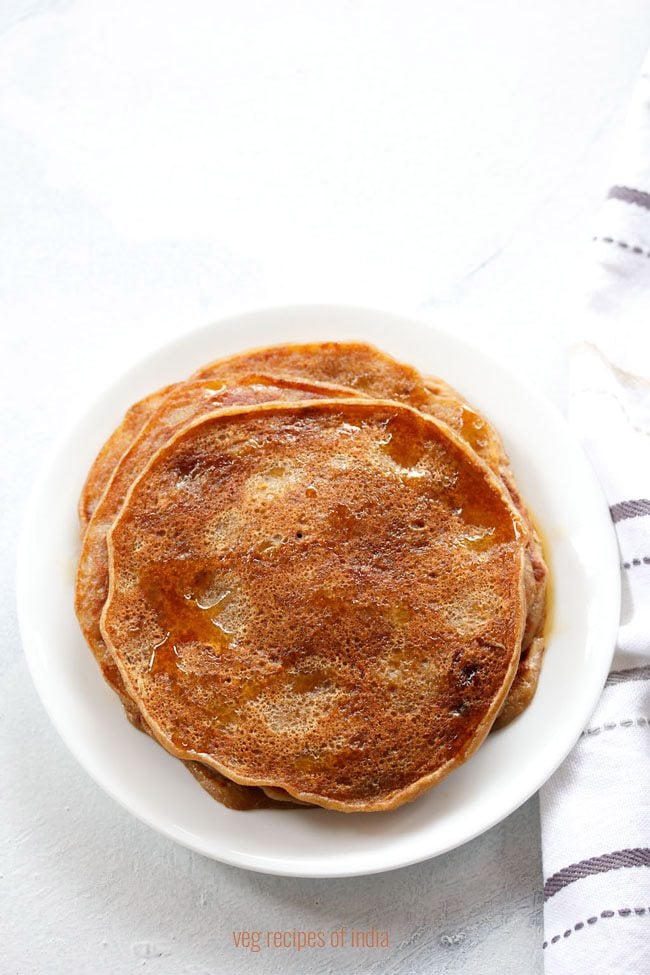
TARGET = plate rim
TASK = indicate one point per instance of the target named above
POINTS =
(165, 351)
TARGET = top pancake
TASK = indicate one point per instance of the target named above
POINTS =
(323, 597)
(366, 369)
(354, 364)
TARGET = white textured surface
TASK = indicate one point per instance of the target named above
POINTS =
(161, 162)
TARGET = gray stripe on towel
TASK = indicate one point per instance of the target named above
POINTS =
(638, 857)
(629, 195)
(633, 673)
(630, 509)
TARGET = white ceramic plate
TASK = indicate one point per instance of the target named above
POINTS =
(559, 486)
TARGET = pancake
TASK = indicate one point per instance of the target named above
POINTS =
(358, 365)
(183, 403)
(449, 406)
(325, 598)
(376, 371)
(370, 371)
(363, 367)
(108, 457)
(235, 796)
(162, 412)
(280, 796)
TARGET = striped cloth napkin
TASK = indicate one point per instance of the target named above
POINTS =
(595, 812)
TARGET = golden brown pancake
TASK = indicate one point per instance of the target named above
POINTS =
(358, 365)
(363, 367)
(235, 796)
(108, 457)
(169, 409)
(280, 796)
(353, 362)
(324, 597)
(366, 369)
(185, 402)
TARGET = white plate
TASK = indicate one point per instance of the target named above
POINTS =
(556, 481)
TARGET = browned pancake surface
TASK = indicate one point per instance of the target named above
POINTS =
(108, 457)
(183, 403)
(365, 368)
(325, 598)
(368, 370)
(150, 423)
(357, 365)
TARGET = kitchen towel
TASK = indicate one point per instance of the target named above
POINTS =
(595, 812)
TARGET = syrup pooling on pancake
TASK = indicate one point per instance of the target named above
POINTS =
(184, 403)
(325, 598)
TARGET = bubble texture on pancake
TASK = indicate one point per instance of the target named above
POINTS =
(151, 422)
(322, 597)
(358, 365)
(368, 370)
(185, 402)
(376, 373)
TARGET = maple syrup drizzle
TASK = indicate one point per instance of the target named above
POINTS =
(473, 427)
(184, 616)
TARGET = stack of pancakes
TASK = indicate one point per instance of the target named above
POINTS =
(308, 573)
